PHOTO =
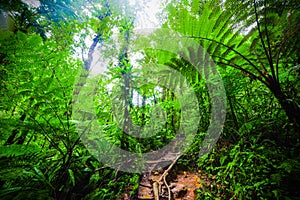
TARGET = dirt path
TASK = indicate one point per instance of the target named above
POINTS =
(182, 186)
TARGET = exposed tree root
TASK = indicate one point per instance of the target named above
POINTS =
(157, 183)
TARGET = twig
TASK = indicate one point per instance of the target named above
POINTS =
(98, 169)
(155, 190)
(163, 177)
(169, 191)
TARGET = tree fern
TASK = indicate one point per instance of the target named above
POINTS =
(258, 51)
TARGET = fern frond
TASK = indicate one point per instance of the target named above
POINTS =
(15, 150)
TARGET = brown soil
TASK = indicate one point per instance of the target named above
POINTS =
(188, 182)
(183, 186)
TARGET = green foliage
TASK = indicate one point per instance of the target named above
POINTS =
(41, 155)
(254, 168)
(249, 41)
(261, 52)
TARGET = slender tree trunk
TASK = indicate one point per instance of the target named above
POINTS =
(144, 108)
(126, 90)
(233, 113)
(88, 62)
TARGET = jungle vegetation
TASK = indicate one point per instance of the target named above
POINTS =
(44, 49)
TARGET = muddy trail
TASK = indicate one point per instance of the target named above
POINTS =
(167, 184)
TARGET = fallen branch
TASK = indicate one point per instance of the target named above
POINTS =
(156, 185)
(169, 191)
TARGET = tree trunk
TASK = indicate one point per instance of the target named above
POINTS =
(291, 109)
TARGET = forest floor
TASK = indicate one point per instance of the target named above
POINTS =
(183, 185)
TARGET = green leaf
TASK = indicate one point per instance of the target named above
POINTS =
(72, 177)
(222, 159)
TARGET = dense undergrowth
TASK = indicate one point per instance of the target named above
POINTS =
(256, 167)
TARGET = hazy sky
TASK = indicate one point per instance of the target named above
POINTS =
(33, 3)
(145, 13)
